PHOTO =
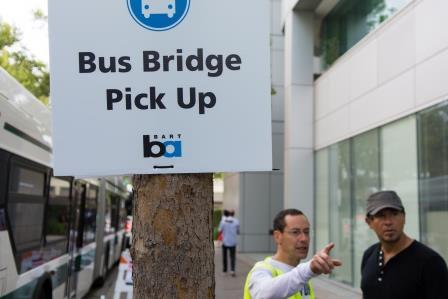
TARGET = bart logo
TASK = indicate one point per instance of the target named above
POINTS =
(162, 146)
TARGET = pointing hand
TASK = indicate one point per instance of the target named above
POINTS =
(322, 263)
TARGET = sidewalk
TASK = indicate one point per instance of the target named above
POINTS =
(228, 287)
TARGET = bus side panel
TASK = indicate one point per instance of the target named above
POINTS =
(59, 292)
(7, 264)
(84, 270)
(119, 246)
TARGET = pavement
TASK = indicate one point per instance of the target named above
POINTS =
(229, 287)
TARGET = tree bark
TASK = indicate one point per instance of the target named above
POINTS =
(172, 245)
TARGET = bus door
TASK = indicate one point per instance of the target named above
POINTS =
(75, 240)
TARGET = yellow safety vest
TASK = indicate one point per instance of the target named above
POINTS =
(274, 272)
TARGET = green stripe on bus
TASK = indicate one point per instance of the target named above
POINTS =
(10, 128)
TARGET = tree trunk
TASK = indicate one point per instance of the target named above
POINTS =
(172, 244)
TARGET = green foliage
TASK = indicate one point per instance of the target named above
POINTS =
(217, 215)
(218, 175)
(8, 35)
(39, 15)
(29, 71)
(331, 51)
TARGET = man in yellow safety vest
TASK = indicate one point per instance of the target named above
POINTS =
(282, 275)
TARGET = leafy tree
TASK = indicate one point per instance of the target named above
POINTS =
(8, 35)
(29, 71)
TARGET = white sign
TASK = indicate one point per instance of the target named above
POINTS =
(160, 86)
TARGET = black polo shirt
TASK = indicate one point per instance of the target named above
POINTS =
(416, 272)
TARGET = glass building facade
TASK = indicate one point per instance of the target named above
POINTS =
(350, 21)
(409, 156)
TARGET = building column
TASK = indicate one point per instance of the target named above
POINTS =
(299, 112)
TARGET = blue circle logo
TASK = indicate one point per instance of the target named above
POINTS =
(158, 15)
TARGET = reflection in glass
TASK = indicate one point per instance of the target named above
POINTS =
(384, 158)
(89, 228)
(27, 182)
(399, 167)
(26, 224)
(350, 21)
(366, 181)
(322, 235)
(341, 209)
(433, 176)
(57, 218)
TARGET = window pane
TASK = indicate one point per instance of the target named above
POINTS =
(90, 215)
(115, 202)
(2, 219)
(27, 181)
(349, 21)
(322, 235)
(57, 217)
(433, 175)
(59, 188)
(366, 181)
(3, 176)
(399, 168)
(340, 206)
(92, 193)
(26, 224)
(108, 228)
(122, 214)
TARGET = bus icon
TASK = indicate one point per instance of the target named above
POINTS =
(158, 7)
(158, 15)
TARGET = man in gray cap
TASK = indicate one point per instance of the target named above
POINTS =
(398, 267)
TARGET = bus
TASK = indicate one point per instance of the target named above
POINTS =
(58, 235)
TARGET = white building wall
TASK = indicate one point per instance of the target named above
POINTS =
(299, 154)
(232, 193)
(394, 71)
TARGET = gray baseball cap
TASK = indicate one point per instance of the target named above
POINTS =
(382, 200)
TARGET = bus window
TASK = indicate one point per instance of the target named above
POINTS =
(76, 217)
(27, 182)
(122, 214)
(111, 215)
(3, 176)
(115, 201)
(26, 214)
(89, 227)
(57, 218)
(108, 214)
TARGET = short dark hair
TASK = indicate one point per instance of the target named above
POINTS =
(279, 220)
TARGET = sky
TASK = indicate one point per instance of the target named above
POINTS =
(34, 34)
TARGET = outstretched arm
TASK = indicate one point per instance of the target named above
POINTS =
(263, 285)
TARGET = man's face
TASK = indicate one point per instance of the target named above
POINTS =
(388, 225)
(294, 241)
